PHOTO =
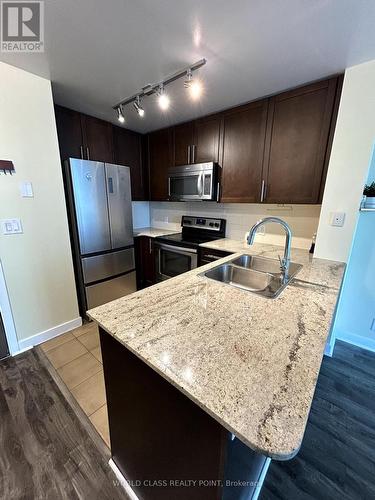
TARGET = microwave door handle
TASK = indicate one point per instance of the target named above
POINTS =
(200, 184)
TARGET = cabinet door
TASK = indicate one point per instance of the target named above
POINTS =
(160, 159)
(98, 139)
(297, 136)
(128, 152)
(69, 132)
(206, 140)
(243, 148)
(183, 140)
(144, 258)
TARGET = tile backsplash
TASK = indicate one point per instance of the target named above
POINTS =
(303, 219)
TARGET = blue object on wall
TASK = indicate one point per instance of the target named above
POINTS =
(355, 319)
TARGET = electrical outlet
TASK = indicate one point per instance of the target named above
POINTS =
(337, 219)
(11, 226)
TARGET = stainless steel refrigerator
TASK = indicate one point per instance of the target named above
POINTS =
(100, 219)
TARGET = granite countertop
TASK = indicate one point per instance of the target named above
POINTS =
(153, 232)
(251, 363)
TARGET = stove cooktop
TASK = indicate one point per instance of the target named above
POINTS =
(182, 240)
(195, 230)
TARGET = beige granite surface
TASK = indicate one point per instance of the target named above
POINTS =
(252, 363)
(153, 232)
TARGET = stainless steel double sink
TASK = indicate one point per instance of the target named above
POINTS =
(260, 275)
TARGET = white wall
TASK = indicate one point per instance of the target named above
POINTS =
(351, 152)
(37, 264)
(303, 219)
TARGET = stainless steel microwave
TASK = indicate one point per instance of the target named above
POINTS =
(197, 182)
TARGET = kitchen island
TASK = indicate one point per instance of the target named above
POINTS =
(191, 363)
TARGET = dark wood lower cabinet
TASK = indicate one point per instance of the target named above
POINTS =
(144, 261)
(207, 255)
(165, 445)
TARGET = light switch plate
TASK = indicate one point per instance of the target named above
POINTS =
(337, 219)
(11, 226)
(26, 189)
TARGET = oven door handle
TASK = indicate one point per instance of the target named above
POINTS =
(176, 248)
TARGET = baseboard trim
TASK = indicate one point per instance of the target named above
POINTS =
(48, 334)
(357, 340)
(121, 479)
(261, 479)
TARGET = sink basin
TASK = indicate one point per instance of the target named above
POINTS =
(264, 264)
(247, 279)
(259, 275)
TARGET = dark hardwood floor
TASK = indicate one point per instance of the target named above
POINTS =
(46, 452)
(337, 457)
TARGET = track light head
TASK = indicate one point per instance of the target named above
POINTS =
(193, 85)
(163, 99)
(120, 114)
(138, 107)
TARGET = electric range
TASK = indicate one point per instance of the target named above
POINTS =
(177, 253)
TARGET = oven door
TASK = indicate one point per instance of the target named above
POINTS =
(173, 260)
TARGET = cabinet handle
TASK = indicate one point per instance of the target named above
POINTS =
(218, 192)
(81, 152)
(193, 155)
(211, 256)
(150, 245)
(262, 192)
(188, 155)
(87, 152)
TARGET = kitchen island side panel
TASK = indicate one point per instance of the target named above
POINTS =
(158, 435)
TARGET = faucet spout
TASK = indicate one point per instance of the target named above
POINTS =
(284, 263)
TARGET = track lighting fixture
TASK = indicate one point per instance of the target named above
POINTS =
(163, 99)
(138, 107)
(120, 114)
(193, 85)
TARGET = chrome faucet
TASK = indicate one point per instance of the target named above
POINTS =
(284, 263)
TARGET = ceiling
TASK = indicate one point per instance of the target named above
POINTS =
(100, 52)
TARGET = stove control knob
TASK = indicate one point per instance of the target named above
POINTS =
(211, 224)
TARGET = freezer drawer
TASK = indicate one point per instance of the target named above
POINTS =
(104, 292)
(100, 267)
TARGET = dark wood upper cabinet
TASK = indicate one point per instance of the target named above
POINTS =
(244, 131)
(83, 136)
(128, 151)
(206, 139)
(160, 155)
(183, 140)
(97, 138)
(68, 124)
(197, 141)
(298, 128)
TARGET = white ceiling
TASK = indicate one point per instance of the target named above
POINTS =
(99, 52)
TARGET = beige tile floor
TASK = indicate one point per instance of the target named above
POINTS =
(77, 358)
